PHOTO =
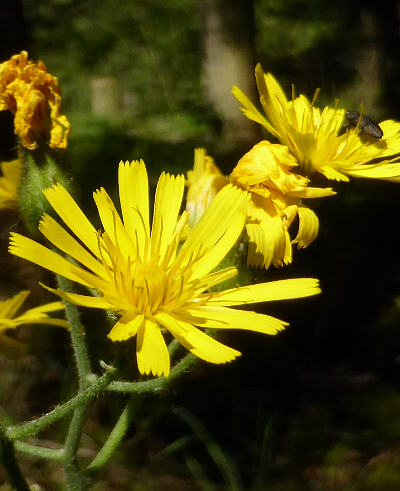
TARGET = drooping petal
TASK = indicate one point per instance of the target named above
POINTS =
(267, 239)
(196, 341)
(151, 351)
(266, 292)
(126, 327)
(308, 227)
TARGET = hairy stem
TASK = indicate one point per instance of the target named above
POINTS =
(74, 477)
(157, 384)
(10, 463)
(77, 335)
(33, 427)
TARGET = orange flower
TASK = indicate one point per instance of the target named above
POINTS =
(33, 95)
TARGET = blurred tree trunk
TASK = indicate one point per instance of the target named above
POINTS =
(105, 97)
(377, 60)
(228, 61)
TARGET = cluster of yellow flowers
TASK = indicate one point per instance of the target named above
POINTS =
(159, 276)
(277, 175)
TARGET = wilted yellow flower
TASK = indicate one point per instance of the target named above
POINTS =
(204, 182)
(314, 136)
(142, 274)
(266, 171)
(38, 315)
(9, 183)
(33, 96)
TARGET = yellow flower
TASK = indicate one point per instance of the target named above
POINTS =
(9, 183)
(314, 136)
(266, 171)
(144, 275)
(38, 315)
(33, 95)
(204, 182)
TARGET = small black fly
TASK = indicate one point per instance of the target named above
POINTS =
(365, 124)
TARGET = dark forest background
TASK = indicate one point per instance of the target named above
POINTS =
(316, 407)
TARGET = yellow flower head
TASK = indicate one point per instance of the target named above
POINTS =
(142, 273)
(33, 96)
(9, 183)
(315, 137)
(266, 171)
(8, 320)
(204, 182)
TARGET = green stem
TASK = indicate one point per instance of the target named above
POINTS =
(77, 335)
(112, 441)
(157, 384)
(10, 463)
(56, 454)
(33, 427)
(74, 477)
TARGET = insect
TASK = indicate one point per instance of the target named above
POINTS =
(365, 124)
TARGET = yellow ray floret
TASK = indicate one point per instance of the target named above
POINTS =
(9, 183)
(267, 171)
(147, 277)
(316, 138)
(9, 320)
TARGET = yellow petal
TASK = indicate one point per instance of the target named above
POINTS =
(250, 110)
(134, 199)
(376, 171)
(267, 240)
(151, 351)
(216, 232)
(226, 318)
(41, 320)
(112, 224)
(73, 217)
(266, 292)
(8, 308)
(126, 327)
(308, 227)
(331, 173)
(9, 183)
(32, 251)
(83, 300)
(167, 204)
(56, 234)
(196, 341)
(310, 192)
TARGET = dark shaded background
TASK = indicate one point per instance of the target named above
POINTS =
(316, 407)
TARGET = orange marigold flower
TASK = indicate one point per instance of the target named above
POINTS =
(33, 96)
